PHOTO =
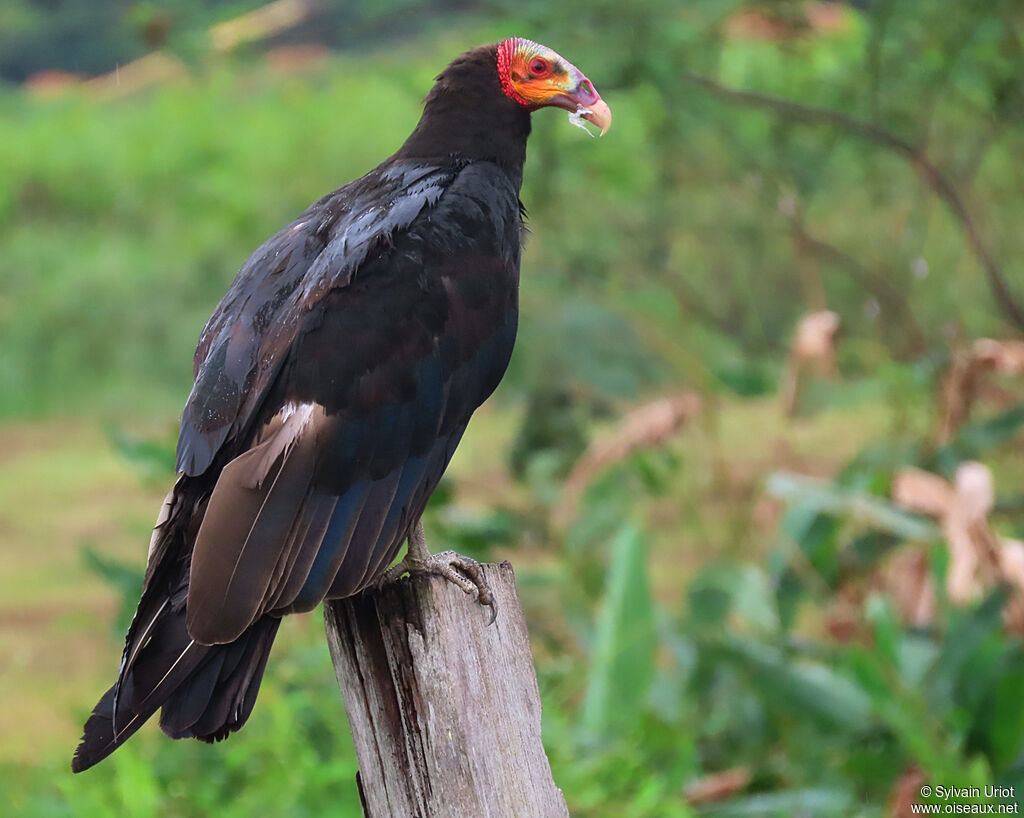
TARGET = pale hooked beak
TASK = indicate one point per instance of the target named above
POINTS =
(599, 114)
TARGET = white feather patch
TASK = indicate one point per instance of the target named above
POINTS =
(280, 435)
(162, 518)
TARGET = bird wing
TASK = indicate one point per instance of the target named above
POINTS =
(367, 376)
(245, 342)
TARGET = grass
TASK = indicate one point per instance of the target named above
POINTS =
(61, 485)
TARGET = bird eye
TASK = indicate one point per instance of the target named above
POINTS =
(539, 67)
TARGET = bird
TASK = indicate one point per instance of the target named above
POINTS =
(332, 385)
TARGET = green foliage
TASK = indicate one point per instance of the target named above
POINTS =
(125, 579)
(95, 36)
(553, 426)
(824, 726)
(296, 759)
(681, 233)
(153, 458)
(818, 496)
(151, 226)
(622, 663)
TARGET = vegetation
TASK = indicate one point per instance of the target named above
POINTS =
(738, 608)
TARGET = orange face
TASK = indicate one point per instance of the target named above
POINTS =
(535, 77)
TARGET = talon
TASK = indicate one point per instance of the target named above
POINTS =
(465, 572)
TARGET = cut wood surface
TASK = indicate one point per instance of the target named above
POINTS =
(444, 709)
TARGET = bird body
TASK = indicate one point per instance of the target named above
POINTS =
(370, 384)
(332, 386)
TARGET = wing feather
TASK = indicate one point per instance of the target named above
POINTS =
(239, 544)
(244, 345)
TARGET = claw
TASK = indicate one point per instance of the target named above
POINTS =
(465, 572)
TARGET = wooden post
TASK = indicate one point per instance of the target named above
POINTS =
(444, 708)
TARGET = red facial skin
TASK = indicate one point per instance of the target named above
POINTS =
(536, 77)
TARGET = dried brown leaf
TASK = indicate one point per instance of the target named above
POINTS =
(155, 68)
(813, 349)
(905, 576)
(921, 491)
(905, 794)
(260, 23)
(979, 559)
(647, 427)
(1004, 357)
(966, 377)
(717, 786)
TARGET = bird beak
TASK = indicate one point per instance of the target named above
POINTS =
(587, 103)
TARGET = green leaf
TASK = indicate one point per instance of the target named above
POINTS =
(153, 457)
(978, 437)
(1006, 731)
(754, 600)
(124, 577)
(887, 631)
(787, 804)
(622, 663)
(803, 687)
(917, 655)
(742, 589)
(957, 669)
(860, 507)
(816, 534)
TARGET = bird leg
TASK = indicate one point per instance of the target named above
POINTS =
(465, 572)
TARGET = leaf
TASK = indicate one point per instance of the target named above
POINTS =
(740, 588)
(747, 379)
(1006, 731)
(978, 437)
(787, 804)
(957, 669)
(907, 712)
(917, 655)
(887, 632)
(861, 507)
(154, 458)
(124, 577)
(754, 600)
(622, 663)
(804, 687)
(816, 534)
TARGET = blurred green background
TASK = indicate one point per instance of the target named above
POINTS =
(731, 614)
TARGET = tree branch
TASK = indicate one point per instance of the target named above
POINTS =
(892, 297)
(941, 185)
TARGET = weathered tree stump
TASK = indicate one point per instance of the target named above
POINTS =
(444, 709)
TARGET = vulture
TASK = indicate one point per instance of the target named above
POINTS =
(332, 385)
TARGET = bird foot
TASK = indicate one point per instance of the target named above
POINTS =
(465, 572)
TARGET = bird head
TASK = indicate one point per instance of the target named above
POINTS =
(536, 77)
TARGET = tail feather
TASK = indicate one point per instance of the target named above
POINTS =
(206, 691)
(99, 740)
(106, 730)
(187, 703)
(232, 703)
(218, 699)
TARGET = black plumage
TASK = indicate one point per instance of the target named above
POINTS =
(332, 386)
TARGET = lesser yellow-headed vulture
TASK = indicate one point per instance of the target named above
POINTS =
(332, 385)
